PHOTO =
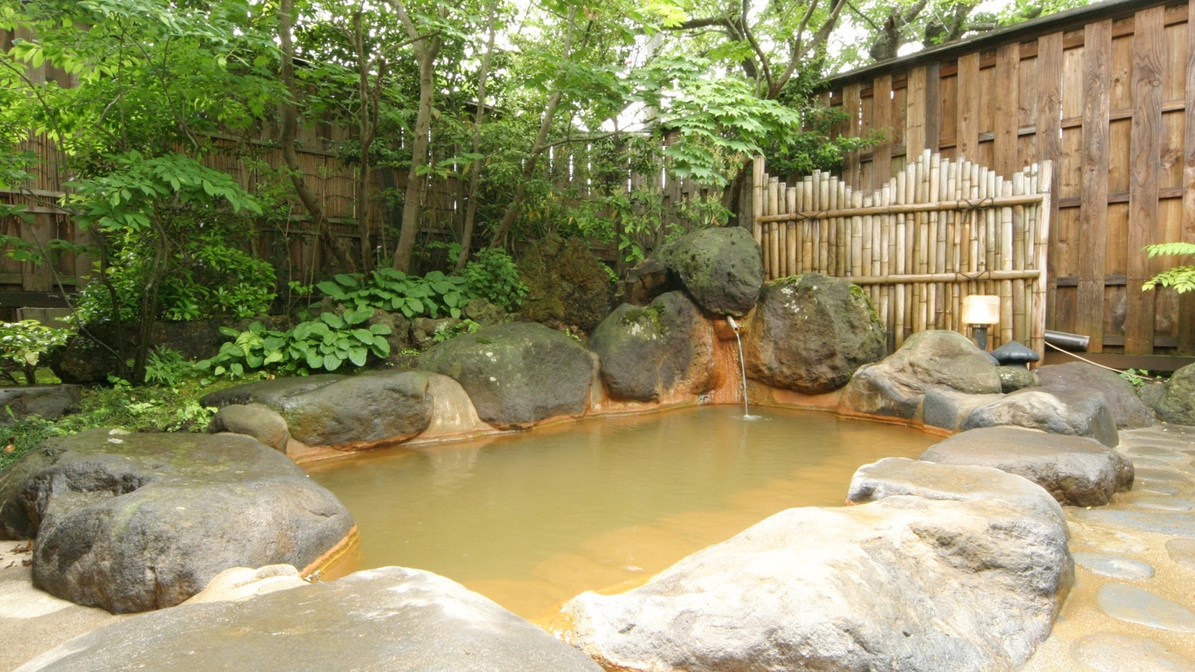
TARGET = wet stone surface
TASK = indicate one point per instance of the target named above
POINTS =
(1163, 476)
(1109, 652)
(1174, 524)
(1164, 503)
(1134, 605)
(1182, 552)
(1115, 566)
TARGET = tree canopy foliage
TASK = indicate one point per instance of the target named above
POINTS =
(480, 91)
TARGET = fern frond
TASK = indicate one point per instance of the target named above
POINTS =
(1169, 249)
(1180, 278)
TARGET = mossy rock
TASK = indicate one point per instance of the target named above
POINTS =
(566, 283)
(648, 352)
(721, 268)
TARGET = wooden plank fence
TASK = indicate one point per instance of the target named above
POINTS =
(1104, 92)
(936, 232)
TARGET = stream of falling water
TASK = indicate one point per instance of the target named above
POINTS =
(742, 367)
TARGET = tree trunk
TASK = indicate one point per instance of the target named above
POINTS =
(289, 130)
(427, 47)
(475, 176)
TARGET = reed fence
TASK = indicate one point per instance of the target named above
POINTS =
(938, 231)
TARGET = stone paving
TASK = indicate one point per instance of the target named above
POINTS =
(1133, 604)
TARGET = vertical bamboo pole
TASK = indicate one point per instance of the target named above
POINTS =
(782, 231)
(773, 208)
(809, 238)
(857, 228)
(901, 259)
(790, 239)
(823, 238)
(1020, 332)
(1041, 285)
(887, 243)
(800, 226)
(844, 231)
(921, 289)
(1008, 300)
(954, 247)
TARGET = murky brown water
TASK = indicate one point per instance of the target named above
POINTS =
(531, 520)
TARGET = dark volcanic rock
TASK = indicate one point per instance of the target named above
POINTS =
(1126, 407)
(1076, 471)
(48, 401)
(904, 583)
(1175, 400)
(644, 282)
(565, 283)
(926, 360)
(516, 374)
(1056, 410)
(373, 409)
(379, 620)
(131, 522)
(809, 333)
(721, 268)
(649, 352)
(948, 409)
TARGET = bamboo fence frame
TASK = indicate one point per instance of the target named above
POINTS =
(938, 231)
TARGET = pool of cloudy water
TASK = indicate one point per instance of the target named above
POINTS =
(532, 519)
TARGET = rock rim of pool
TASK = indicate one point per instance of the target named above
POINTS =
(133, 522)
(899, 580)
(384, 619)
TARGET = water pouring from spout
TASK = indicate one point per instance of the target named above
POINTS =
(742, 365)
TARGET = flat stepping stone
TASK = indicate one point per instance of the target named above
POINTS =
(1077, 471)
(1115, 566)
(1164, 503)
(1134, 605)
(1107, 652)
(1153, 475)
(1182, 552)
(1157, 488)
(1146, 462)
(1156, 451)
(1173, 524)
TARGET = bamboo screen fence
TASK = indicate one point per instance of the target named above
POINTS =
(938, 231)
(1105, 92)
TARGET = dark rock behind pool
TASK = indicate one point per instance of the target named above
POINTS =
(48, 401)
(516, 374)
(566, 283)
(1128, 411)
(810, 333)
(373, 409)
(1076, 471)
(926, 360)
(131, 522)
(1174, 400)
(649, 352)
(904, 583)
(721, 268)
(379, 620)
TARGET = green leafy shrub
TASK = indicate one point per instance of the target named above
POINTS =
(493, 275)
(462, 327)
(1180, 278)
(24, 343)
(432, 295)
(322, 344)
(166, 366)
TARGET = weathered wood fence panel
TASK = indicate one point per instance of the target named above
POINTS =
(938, 231)
(1107, 94)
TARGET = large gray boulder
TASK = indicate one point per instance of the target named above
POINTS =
(1056, 410)
(378, 620)
(48, 401)
(1174, 400)
(927, 359)
(1075, 470)
(810, 333)
(651, 352)
(721, 268)
(894, 476)
(1126, 407)
(131, 522)
(904, 583)
(945, 408)
(347, 412)
(516, 374)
